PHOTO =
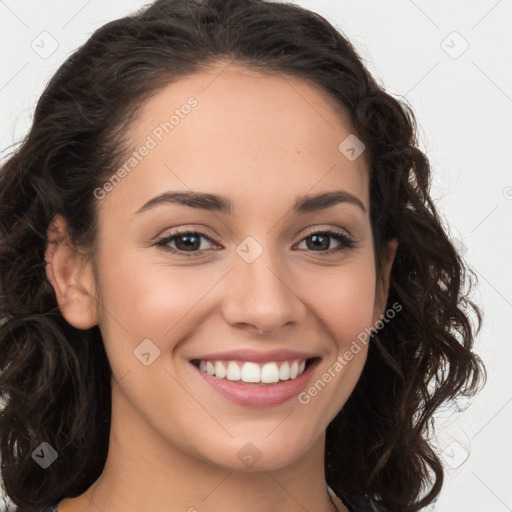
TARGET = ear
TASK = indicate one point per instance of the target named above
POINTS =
(382, 289)
(71, 276)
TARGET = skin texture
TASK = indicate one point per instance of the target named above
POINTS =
(262, 141)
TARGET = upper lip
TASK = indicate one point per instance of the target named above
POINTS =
(256, 356)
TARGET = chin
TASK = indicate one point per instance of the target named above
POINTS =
(259, 454)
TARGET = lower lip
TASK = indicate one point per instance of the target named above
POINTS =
(264, 395)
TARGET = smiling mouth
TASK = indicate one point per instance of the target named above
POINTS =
(255, 374)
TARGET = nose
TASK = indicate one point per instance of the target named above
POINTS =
(261, 295)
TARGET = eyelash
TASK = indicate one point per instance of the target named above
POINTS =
(346, 242)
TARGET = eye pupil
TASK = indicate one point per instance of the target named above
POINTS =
(317, 238)
(192, 242)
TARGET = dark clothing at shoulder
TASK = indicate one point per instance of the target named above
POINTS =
(13, 508)
(362, 504)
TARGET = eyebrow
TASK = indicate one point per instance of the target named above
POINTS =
(213, 202)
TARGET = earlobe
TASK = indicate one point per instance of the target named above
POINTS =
(382, 291)
(390, 258)
(71, 277)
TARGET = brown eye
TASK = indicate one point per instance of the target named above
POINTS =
(190, 242)
(321, 241)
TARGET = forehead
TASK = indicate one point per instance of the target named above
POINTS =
(246, 131)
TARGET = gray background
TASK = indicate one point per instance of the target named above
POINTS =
(451, 61)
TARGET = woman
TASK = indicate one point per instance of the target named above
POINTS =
(222, 276)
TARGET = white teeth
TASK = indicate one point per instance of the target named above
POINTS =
(267, 373)
(284, 371)
(210, 368)
(294, 370)
(220, 370)
(233, 372)
(250, 372)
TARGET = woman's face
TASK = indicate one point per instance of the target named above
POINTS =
(189, 280)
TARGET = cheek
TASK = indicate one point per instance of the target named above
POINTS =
(151, 300)
(344, 301)
(344, 306)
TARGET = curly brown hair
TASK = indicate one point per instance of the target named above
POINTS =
(55, 380)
